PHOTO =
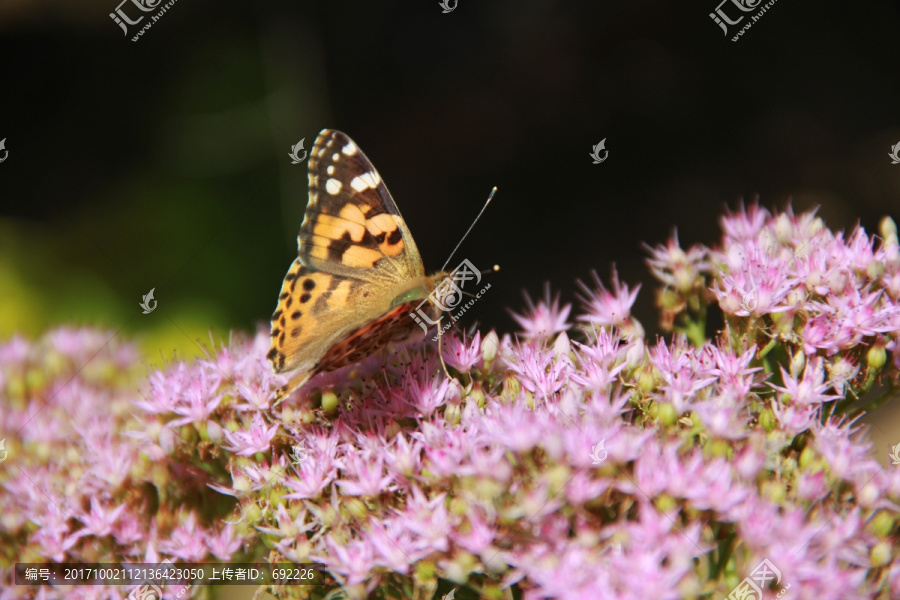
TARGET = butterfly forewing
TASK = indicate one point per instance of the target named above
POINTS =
(352, 226)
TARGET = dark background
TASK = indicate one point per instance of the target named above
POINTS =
(163, 163)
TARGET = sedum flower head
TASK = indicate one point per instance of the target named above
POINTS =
(719, 448)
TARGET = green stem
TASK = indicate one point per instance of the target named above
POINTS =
(768, 348)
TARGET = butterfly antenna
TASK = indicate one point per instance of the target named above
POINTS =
(468, 231)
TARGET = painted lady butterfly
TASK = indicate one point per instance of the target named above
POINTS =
(358, 277)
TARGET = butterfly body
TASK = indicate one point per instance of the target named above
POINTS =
(358, 277)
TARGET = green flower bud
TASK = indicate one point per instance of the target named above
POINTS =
(665, 503)
(667, 414)
(882, 524)
(452, 414)
(880, 554)
(876, 357)
(477, 395)
(646, 380)
(806, 457)
(774, 490)
(767, 420)
(329, 402)
(425, 571)
(888, 230)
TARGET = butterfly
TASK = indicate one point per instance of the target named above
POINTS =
(358, 278)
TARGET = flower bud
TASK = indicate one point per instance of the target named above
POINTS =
(452, 414)
(798, 361)
(880, 554)
(767, 420)
(329, 402)
(167, 440)
(882, 524)
(665, 503)
(634, 356)
(876, 356)
(561, 347)
(489, 347)
(806, 457)
(888, 230)
(784, 229)
(667, 414)
(357, 508)
(837, 281)
(684, 275)
(393, 428)
(868, 495)
(213, 432)
(775, 491)
(875, 270)
(646, 380)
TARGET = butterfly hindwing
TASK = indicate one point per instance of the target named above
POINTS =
(300, 323)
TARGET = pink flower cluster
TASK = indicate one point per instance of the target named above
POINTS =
(565, 462)
(81, 480)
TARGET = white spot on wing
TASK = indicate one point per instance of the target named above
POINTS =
(333, 186)
(350, 149)
(365, 181)
(335, 157)
(330, 169)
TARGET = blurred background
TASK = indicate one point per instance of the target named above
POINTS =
(163, 163)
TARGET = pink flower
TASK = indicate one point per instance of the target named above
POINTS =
(256, 438)
(808, 389)
(610, 308)
(462, 355)
(675, 267)
(101, 521)
(187, 541)
(364, 477)
(540, 371)
(196, 406)
(546, 319)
